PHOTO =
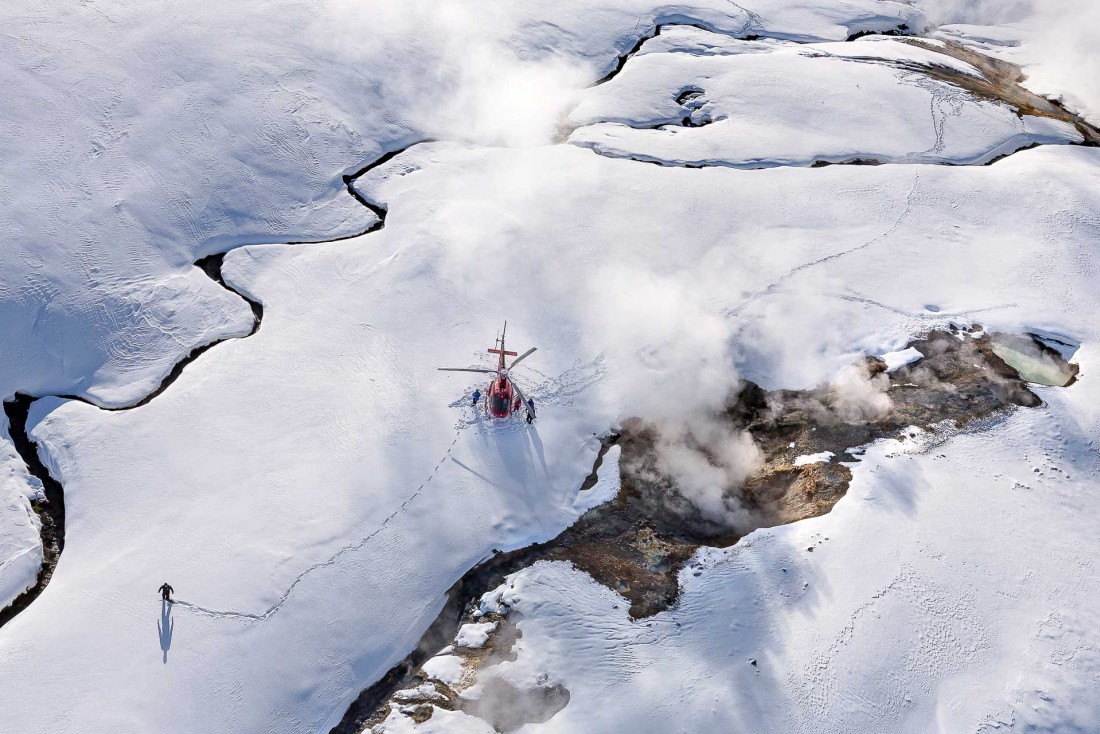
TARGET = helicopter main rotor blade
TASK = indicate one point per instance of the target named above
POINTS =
(518, 359)
(520, 393)
(466, 369)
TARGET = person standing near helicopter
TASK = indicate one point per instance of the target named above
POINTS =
(502, 398)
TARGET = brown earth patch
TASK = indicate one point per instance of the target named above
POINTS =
(637, 543)
(1000, 81)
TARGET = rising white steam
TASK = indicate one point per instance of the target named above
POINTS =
(858, 396)
(708, 460)
(466, 80)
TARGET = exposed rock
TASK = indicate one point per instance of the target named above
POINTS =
(637, 543)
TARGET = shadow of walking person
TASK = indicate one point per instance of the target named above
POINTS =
(165, 626)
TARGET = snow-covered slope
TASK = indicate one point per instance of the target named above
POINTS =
(312, 491)
(316, 543)
(142, 137)
(755, 104)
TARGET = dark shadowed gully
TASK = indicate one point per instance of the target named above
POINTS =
(51, 509)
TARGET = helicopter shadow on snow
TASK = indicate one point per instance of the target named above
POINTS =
(516, 442)
(518, 446)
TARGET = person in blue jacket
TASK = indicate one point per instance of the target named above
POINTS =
(530, 410)
(476, 396)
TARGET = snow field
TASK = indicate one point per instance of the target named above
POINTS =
(141, 139)
(791, 104)
(296, 533)
(312, 491)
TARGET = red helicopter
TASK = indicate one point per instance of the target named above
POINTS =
(503, 396)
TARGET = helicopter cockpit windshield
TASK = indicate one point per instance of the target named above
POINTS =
(498, 403)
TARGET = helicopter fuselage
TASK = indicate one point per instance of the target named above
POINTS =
(500, 398)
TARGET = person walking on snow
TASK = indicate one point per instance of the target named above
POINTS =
(476, 396)
(530, 410)
(165, 592)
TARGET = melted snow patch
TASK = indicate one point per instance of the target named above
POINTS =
(894, 360)
(445, 668)
(475, 634)
(1036, 362)
(818, 458)
(422, 691)
(606, 487)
